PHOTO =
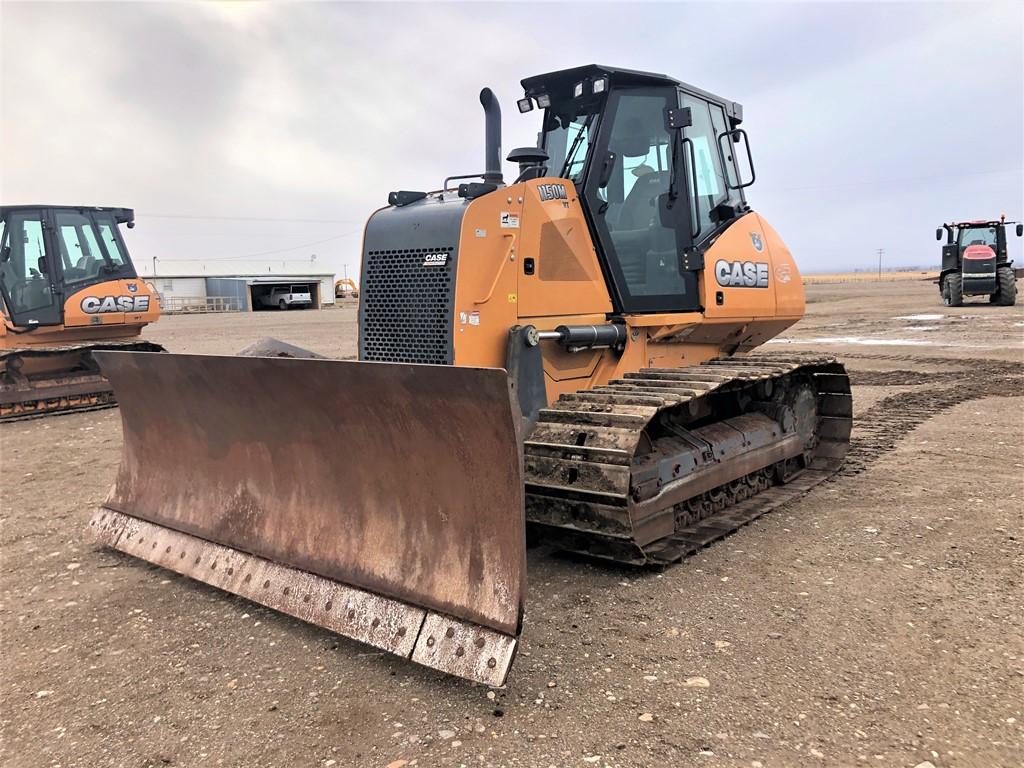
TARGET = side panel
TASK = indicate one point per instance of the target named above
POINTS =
(116, 302)
(566, 277)
(486, 296)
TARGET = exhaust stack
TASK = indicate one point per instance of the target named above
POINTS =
(492, 116)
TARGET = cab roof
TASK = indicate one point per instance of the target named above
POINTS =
(121, 215)
(559, 84)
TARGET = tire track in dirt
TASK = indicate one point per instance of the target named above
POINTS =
(881, 428)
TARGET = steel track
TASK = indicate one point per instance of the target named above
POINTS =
(585, 445)
(76, 390)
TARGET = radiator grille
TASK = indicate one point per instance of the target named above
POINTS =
(407, 308)
(974, 264)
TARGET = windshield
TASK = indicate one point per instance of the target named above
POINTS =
(567, 139)
(90, 248)
(978, 236)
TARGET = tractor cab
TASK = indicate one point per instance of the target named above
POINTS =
(655, 164)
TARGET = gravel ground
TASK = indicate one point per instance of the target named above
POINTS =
(877, 621)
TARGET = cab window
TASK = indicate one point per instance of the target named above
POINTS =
(111, 241)
(80, 251)
(978, 236)
(627, 196)
(710, 175)
(567, 142)
(25, 274)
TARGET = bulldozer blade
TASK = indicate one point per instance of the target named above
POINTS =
(381, 501)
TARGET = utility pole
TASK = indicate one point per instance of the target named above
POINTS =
(880, 252)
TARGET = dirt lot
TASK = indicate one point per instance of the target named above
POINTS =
(878, 621)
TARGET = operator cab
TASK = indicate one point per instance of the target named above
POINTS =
(49, 252)
(978, 234)
(654, 162)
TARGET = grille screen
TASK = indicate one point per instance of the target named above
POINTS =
(407, 308)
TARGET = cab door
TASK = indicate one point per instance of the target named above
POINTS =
(27, 269)
(632, 193)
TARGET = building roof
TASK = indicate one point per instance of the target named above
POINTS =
(256, 277)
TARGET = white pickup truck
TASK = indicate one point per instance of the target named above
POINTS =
(287, 297)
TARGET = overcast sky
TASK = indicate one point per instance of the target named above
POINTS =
(251, 134)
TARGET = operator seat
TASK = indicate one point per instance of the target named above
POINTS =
(632, 230)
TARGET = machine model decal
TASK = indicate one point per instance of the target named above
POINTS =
(552, 192)
(435, 260)
(509, 220)
(92, 305)
(755, 238)
(783, 273)
(741, 274)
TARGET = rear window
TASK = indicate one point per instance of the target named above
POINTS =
(300, 289)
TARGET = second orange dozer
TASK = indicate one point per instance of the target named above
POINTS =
(568, 354)
(67, 288)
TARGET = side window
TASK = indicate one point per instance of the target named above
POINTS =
(567, 147)
(79, 249)
(25, 273)
(708, 176)
(732, 172)
(109, 235)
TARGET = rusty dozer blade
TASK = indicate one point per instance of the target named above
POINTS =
(381, 501)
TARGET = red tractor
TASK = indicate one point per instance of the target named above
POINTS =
(974, 262)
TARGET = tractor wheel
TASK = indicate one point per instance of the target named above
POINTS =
(1006, 293)
(953, 290)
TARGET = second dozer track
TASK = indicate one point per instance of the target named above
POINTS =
(653, 466)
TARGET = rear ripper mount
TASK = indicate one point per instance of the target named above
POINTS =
(635, 471)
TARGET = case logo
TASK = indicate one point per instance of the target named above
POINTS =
(435, 260)
(552, 192)
(93, 305)
(132, 287)
(741, 274)
(757, 241)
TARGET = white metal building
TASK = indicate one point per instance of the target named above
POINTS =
(233, 292)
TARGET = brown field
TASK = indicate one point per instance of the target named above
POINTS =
(877, 621)
(871, 277)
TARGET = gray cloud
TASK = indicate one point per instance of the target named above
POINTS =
(870, 123)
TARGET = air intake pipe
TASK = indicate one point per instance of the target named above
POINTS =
(492, 116)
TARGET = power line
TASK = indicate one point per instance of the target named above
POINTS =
(284, 220)
(271, 253)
